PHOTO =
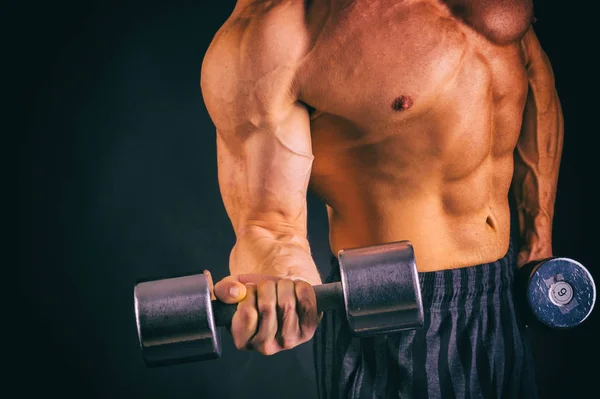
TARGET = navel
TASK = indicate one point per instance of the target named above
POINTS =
(402, 103)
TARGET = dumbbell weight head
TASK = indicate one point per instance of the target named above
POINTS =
(559, 292)
(175, 320)
(385, 296)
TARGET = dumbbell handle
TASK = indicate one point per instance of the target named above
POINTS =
(329, 296)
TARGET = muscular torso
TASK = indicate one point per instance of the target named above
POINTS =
(417, 110)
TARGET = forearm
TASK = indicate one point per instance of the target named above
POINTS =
(534, 187)
(264, 180)
(537, 155)
(537, 162)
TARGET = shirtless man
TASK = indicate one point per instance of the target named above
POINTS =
(412, 120)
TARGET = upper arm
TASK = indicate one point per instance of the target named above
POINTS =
(248, 83)
(539, 71)
(540, 143)
(248, 72)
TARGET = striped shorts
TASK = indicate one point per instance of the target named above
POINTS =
(473, 343)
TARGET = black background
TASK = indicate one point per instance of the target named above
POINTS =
(117, 182)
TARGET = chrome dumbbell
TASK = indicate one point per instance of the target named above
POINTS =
(379, 291)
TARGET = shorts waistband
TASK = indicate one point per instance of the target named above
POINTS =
(461, 284)
(458, 286)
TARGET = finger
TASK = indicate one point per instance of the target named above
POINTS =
(245, 320)
(230, 290)
(288, 334)
(264, 340)
(307, 310)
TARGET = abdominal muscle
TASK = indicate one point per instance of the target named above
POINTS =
(372, 197)
(440, 240)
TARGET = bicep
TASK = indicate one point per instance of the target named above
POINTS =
(542, 97)
(263, 131)
(540, 143)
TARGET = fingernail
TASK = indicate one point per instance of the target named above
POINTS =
(234, 291)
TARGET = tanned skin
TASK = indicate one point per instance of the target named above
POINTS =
(410, 119)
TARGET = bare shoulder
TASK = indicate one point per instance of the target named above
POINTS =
(249, 70)
(533, 52)
(501, 22)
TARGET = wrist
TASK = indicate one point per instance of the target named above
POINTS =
(284, 234)
(273, 252)
(535, 245)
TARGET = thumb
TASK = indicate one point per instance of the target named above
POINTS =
(230, 290)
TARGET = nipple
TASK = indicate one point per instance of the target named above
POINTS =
(402, 103)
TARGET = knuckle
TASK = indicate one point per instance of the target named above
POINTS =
(308, 327)
(240, 343)
(288, 342)
(285, 283)
(307, 305)
(266, 307)
(257, 343)
(304, 289)
(307, 331)
(266, 285)
(287, 306)
(307, 335)
(267, 348)
(259, 339)
(250, 293)
(247, 316)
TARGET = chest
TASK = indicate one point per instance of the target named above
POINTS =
(377, 59)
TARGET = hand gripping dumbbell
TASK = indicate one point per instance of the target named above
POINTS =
(177, 321)
(558, 293)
